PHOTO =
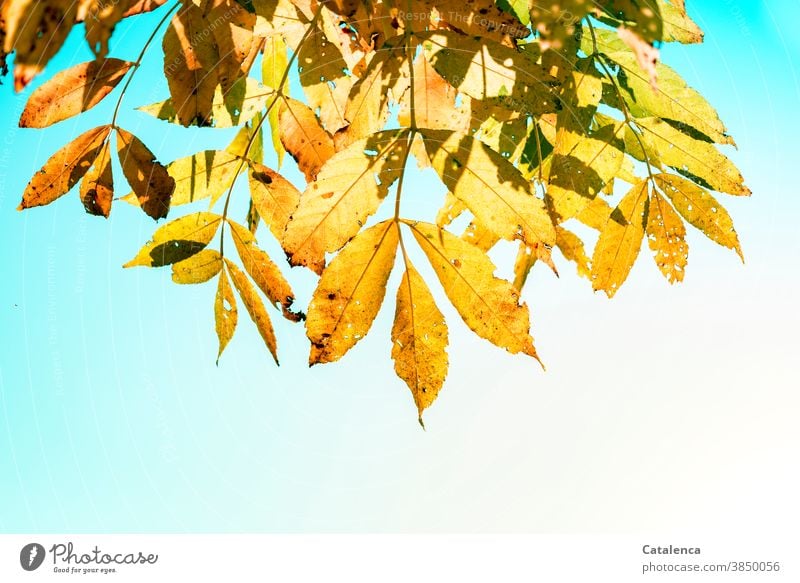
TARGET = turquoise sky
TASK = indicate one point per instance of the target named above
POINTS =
(114, 417)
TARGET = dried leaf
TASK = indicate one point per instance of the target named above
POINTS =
(255, 307)
(73, 91)
(701, 210)
(64, 169)
(97, 185)
(666, 236)
(149, 180)
(264, 272)
(190, 65)
(304, 137)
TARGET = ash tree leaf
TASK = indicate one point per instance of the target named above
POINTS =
(150, 181)
(273, 64)
(490, 71)
(419, 340)
(226, 314)
(190, 65)
(178, 240)
(255, 308)
(273, 197)
(347, 191)
(434, 104)
(198, 268)
(101, 18)
(692, 157)
(701, 210)
(64, 168)
(350, 293)
(232, 24)
(264, 272)
(490, 187)
(383, 83)
(35, 32)
(97, 185)
(303, 136)
(490, 306)
(73, 91)
(620, 241)
(666, 236)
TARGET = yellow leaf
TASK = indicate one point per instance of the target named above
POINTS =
(701, 210)
(434, 104)
(304, 138)
(274, 198)
(695, 157)
(348, 189)
(255, 307)
(419, 340)
(488, 305)
(225, 312)
(620, 241)
(149, 180)
(350, 293)
(273, 65)
(239, 105)
(475, 18)
(383, 82)
(264, 272)
(232, 27)
(486, 70)
(490, 186)
(64, 168)
(666, 236)
(190, 65)
(101, 18)
(572, 249)
(322, 73)
(198, 268)
(177, 240)
(72, 91)
(97, 186)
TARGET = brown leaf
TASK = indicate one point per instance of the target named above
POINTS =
(73, 91)
(232, 27)
(190, 65)
(255, 307)
(35, 30)
(64, 169)
(97, 186)
(149, 180)
(304, 138)
(264, 272)
(101, 19)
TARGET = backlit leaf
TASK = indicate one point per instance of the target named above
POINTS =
(274, 198)
(150, 181)
(73, 91)
(64, 169)
(198, 268)
(97, 185)
(419, 340)
(177, 240)
(225, 313)
(488, 305)
(255, 308)
(304, 138)
(620, 241)
(666, 236)
(350, 293)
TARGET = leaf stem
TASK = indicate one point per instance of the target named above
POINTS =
(629, 121)
(138, 61)
(278, 96)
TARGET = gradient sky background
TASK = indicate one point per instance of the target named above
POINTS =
(666, 409)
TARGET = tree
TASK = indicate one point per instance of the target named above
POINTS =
(542, 119)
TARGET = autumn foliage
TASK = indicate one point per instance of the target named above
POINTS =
(543, 120)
